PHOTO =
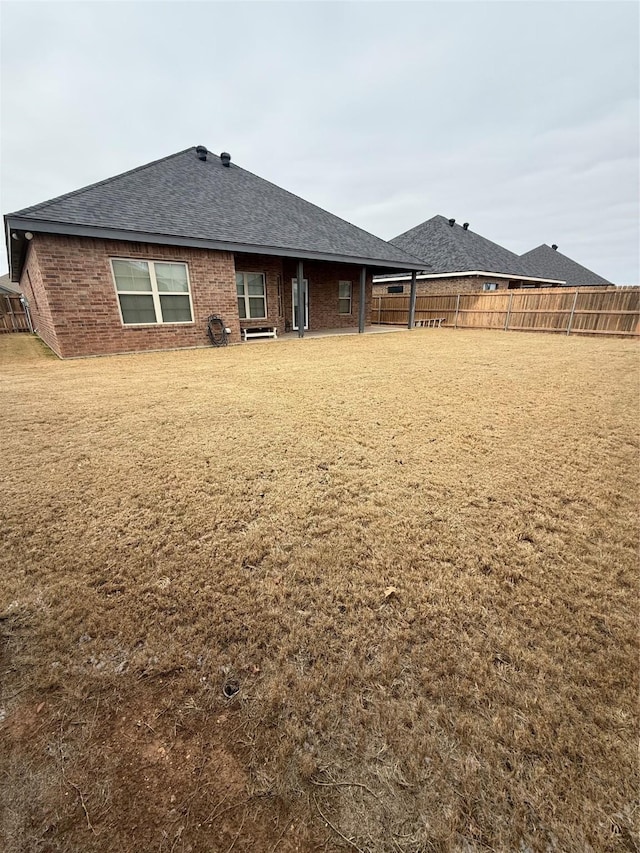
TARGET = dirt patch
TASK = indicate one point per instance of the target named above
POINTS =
(376, 592)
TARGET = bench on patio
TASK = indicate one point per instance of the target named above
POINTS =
(432, 322)
(261, 332)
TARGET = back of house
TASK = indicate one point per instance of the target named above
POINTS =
(140, 261)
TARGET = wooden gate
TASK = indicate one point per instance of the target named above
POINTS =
(14, 315)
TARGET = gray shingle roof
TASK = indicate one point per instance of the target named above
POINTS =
(550, 262)
(181, 196)
(450, 249)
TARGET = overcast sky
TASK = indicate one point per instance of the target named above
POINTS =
(520, 118)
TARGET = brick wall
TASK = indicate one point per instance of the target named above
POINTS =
(323, 278)
(271, 267)
(455, 284)
(32, 285)
(83, 305)
(70, 287)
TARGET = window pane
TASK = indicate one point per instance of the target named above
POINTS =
(172, 278)
(241, 308)
(175, 309)
(132, 275)
(344, 290)
(137, 309)
(239, 279)
(344, 306)
(255, 284)
(256, 307)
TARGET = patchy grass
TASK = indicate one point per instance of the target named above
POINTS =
(413, 556)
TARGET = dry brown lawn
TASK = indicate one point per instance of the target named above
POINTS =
(411, 558)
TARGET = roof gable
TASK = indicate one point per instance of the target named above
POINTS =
(549, 261)
(184, 197)
(447, 248)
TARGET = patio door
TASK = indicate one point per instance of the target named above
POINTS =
(294, 302)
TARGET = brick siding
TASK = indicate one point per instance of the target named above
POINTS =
(455, 284)
(271, 267)
(70, 288)
(32, 285)
(83, 306)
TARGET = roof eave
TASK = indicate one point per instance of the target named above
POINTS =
(464, 273)
(18, 223)
(16, 250)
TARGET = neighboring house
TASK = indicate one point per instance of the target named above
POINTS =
(549, 261)
(457, 260)
(140, 261)
(7, 287)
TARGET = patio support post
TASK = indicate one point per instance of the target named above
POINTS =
(412, 302)
(300, 286)
(363, 298)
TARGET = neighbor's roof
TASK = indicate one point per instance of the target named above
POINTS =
(552, 262)
(186, 201)
(446, 248)
(7, 286)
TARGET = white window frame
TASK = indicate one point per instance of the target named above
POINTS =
(154, 292)
(340, 299)
(248, 318)
(489, 286)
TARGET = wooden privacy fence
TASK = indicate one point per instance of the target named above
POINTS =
(588, 311)
(13, 315)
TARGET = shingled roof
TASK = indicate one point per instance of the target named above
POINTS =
(184, 200)
(7, 287)
(549, 261)
(446, 248)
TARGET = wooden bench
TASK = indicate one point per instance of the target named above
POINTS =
(432, 322)
(262, 332)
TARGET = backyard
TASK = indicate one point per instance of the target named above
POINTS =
(374, 593)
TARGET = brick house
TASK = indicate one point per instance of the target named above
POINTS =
(457, 260)
(141, 260)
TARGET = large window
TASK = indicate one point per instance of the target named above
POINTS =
(344, 297)
(152, 292)
(252, 295)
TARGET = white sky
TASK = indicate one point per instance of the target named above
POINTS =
(521, 118)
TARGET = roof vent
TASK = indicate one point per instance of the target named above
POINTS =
(465, 225)
(554, 246)
(452, 222)
(225, 158)
(202, 152)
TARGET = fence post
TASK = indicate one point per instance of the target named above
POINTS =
(455, 322)
(506, 322)
(573, 311)
(379, 308)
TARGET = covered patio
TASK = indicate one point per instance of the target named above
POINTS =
(327, 333)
